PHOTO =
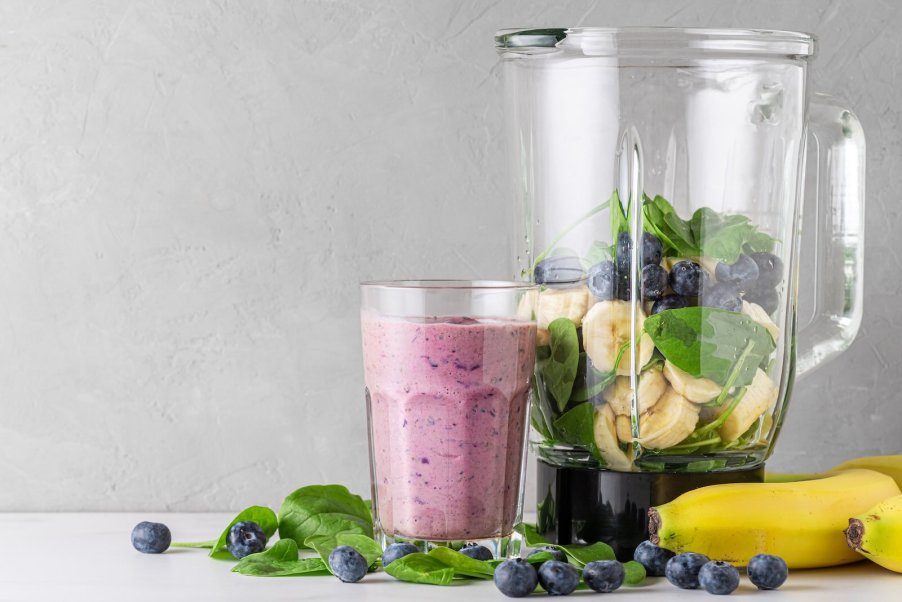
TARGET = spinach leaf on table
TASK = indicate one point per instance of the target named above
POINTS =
(261, 515)
(634, 573)
(463, 566)
(708, 342)
(281, 560)
(366, 545)
(323, 510)
(420, 568)
(560, 370)
(581, 555)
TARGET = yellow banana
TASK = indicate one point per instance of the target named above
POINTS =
(877, 534)
(802, 521)
(888, 465)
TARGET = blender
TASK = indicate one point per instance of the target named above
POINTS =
(665, 176)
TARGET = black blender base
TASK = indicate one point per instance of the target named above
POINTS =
(582, 505)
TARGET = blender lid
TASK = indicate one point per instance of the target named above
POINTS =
(649, 41)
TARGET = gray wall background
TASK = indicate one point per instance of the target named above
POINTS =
(190, 192)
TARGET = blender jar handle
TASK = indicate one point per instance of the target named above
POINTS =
(835, 178)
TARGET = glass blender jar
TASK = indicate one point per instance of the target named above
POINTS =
(666, 176)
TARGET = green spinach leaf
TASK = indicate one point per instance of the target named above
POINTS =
(708, 342)
(463, 566)
(634, 573)
(261, 515)
(662, 220)
(724, 236)
(281, 560)
(531, 535)
(581, 555)
(560, 371)
(577, 427)
(366, 545)
(420, 568)
(323, 510)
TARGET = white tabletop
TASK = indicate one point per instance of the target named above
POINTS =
(90, 557)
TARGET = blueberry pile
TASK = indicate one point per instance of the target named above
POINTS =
(517, 578)
(693, 571)
(753, 277)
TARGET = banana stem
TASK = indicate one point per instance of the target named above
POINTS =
(597, 209)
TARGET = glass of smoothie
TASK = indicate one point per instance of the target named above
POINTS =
(448, 368)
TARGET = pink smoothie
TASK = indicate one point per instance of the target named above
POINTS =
(448, 402)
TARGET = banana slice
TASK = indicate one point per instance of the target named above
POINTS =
(554, 303)
(606, 440)
(668, 422)
(699, 390)
(619, 395)
(624, 429)
(757, 313)
(761, 393)
(605, 328)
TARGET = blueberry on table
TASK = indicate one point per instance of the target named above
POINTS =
(669, 302)
(561, 271)
(687, 278)
(624, 252)
(652, 249)
(654, 282)
(722, 296)
(558, 578)
(347, 564)
(742, 273)
(767, 571)
(516, 578)
(682, 570)
(602, 280)
(603, 576)
(151, 538)
(770, 268)
(767, 298)
(246, 538)
(557, 554)
(397, 550)
(653, 558)
(477, 552)
(718, 577)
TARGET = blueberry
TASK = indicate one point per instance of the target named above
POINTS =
(718, 577)
(770, 268)
(347, 564)
(151, 538)
(687, 278)
(477, 552)
(558, 578)
(624, 252)
(653, 558)
(767, 571)
(516, 578)
(246, 538)
(652, 249)
(603, 576)
(742, 273)
(654, 281)
(561, 271)
(602, 280)
(669, 302)
(722, 296)
(767, 298)
(682, 570)
(397, 550)
(555, 553)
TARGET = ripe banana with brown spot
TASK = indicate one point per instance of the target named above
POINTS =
(606, 327)
(698, 390)
(758, 397)
(606, 440)
(619, 394)
(667, 422)
(554, 303)
(757, 314)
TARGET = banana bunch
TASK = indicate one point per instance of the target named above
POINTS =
(799, 521)
(877, 534)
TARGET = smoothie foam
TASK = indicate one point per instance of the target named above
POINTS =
(448, 404)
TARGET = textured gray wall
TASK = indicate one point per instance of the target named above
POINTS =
(190, 192)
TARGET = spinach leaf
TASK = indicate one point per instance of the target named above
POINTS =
(281, 560)
(708, 342)
(539, 557)
(366, 545)
(560, 371)
(724, 236)
(580, 555)
(323, 510)
(662, 220)
(553, 244)
(545, 519)
(463, 566)
(619, 216)
(261, 515)
(634, 573)
(530, 532)
(598, 252)
(577, 427)
(420, 568)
